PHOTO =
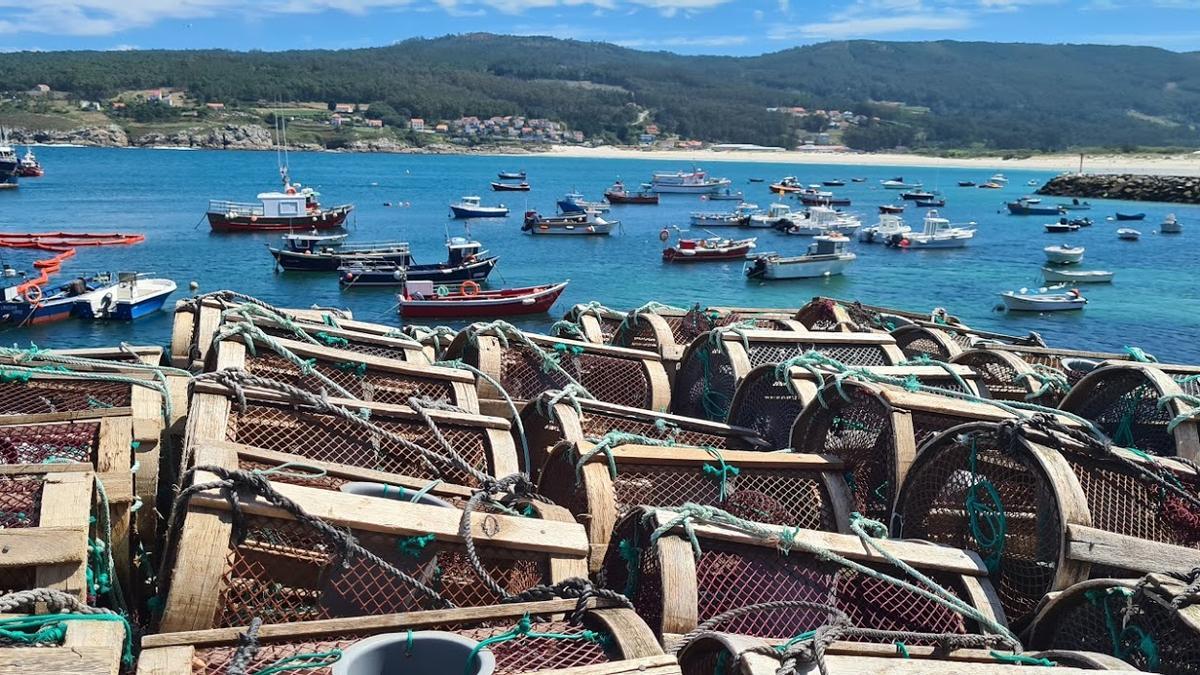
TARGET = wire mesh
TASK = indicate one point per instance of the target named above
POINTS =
(351, 344)
(41, 395)
(1000, 378)
(312, 435)
(364, 383)
(767, 405)
(595, 423)
(41, 443)
(916, 341)
(608, 378)
(20, 501)
(1124, 404)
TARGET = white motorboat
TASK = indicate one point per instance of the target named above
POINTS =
(777, 215)
(998, 179)
(889, 224)
(470, 207)
(738, 217)
(898, 183)
(1052, 275)
(818, 220)
(725, 195)
(1170, 225)
(937, 232)
(690, 182)
(826, 256)
(132, 297)
(1128, 234)
(1063, 255)
(1043, 300)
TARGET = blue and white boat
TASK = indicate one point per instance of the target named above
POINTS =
(573, 202)
(470, 207)
(132, 297)
(31, 305)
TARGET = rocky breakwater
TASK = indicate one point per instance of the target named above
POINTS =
(1133, 187)
(106, 136)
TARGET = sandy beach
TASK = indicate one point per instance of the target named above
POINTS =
(1163, 165)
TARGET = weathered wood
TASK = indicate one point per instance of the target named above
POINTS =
(89, 648)
(681, 595)
(1098, 547)
(196, 578)
(66, 507)
(650, 665)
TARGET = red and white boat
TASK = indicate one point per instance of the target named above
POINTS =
(708, 250)
(421, 299)
(296, 208)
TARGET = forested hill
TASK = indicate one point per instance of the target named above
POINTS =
(955, 94)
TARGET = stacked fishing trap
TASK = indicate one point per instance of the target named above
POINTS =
(834, 488)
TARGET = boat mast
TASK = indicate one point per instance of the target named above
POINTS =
(281, 156)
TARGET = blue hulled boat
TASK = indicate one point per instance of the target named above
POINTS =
(34, 306)
(132, 297)
(465, 261)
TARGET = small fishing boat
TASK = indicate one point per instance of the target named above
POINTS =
(1063, 255)
(617, 194)
(935, 203)
(713, 249)
(586, 223)
(756, 180)
(1032, 183)
(1025, 207)
(787, 184)
(465, 261)
(1170, 225)
(888, 226)
(966, 183)
(132, 297)
(1063, 225)
(470, 207)
(295, 208)
(898, 183)
(891, 208)
(1043, 300)
(29, 166)
(937, 232)
(1051, 274)
(819, 220)
(861, 179)
(1075, 205)
(690, 182)
(917, 195)
(777, 215)
(739, 217)
(324, 252)
(422, 300)
(28, 304)
(573, 202)
(9, 164)
(998, 179)
(725, 195)
(1128, 234)
(827, 256)
(1130, 216)
(511, 175)
(510, 187)
(818, 198)
(833, 183)
(1082, 222)
(990, 186)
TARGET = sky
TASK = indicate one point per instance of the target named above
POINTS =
(732, 27)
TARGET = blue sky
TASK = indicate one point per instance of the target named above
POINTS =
(734, 27)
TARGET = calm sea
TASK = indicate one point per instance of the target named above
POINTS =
(1154, 304)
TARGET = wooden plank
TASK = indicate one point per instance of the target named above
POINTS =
(678, 455)
(1073, 509)
(114, 453)
(99, 635)
(1098, 547)
(681, 597)
(943, 405)
(923, 556)
(407, 519)
(601, 516)
(67, 503)
(631, 634)
(659, 382)
(75, 661)
(651, 665)
(166, 661)
(503, 453)
(38, 469)
(381, 363)
(820, 339)
(42, 546)
(196, 579)
(904, 445)
(66, 416)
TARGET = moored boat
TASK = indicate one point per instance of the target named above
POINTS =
(998, 179)
(833, 183)
(917, 195)
(1025, 207)
(935, 203)
(421, 299)
(511, 175)
(724, 195)
(966, 183)
(889, 225)
(466, 260)
(617, 194)
(891, 208)
(1063, 225)
(898, 183)
(295, 208)
(1128, 234)
(818, 220)
(573, 202)
(470, 207)
(826, 256)
(713, 249)
(510, 187)
(131, 297)
(1063, 255)
(787, 184)
(1170, 225)
(937, 232)
(585, 224)
(859, 179)
(812, 197)
(777, 215)
(1051, 274)
(28, 304)
(1075, 205)
(1043, 300)
(9, 165)
(692, 182)
(1130, 216)
(739, 217)
(29, 166)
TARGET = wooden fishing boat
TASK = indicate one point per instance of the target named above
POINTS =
(295, 208)
(617, 194)
(1043, 300)
(419, 300)
(573, 202)
(1130, 216)
(713, 249)
(1024, 207)
(510, 187)
(588, 223)
(465, 261)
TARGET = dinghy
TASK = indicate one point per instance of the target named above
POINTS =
(1051, 274)
(1064, 255)
(1128, 234)
(1044, 300)
(1170, 225)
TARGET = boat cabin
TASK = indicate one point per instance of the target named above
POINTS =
(779, 211)
(463, 251)
(419, 289)
(313, 243)
(828, 245)
(283, 204)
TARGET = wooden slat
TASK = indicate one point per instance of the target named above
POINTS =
(42, 546)
(66, 416)
(1099, 547)
(650, 665)
(685, 456)
(195, 589)
(681, 596)
(67, 503)
(166, 661)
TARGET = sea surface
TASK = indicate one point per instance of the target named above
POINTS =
(1153, 304)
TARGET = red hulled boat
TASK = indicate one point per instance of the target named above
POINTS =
(708, 250)
(295, 208)
(617, 194)
(421, 300)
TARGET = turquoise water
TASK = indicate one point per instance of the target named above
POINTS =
(1154, 304)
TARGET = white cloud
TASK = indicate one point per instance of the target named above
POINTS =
(858, 27)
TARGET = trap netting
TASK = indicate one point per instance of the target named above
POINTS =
(53, 442)
(1009, 378)
(736, 571)
(350, 341)
(1152, 623)
(1140, 406)
(1020, 496)
(591, 322)
(916, 341)
(20, 508)
(39, 395)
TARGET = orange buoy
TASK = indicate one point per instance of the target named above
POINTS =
(469, 289)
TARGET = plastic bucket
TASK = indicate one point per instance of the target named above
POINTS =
(428, 652)
(385, 491)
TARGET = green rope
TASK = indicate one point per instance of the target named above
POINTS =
(1052, 380)
(52, 628)
(568, 329)
(630, 320)
(459, 364)
(988, 522)
(306, 472)
(251, 335)
(902, 650)
(1123, 436)
(504, 332)
(107, 580)
(1022, 659)
(331, 340)
(612, 440)
(359, 369)
(308, 661)
(806, 635)
(1136, 354)
(721, 473)
(414, 546)
(631, 554)
(1191, 413)
(1118, 631)
(97, 403)
(524, 628)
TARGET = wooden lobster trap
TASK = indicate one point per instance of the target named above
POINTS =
(527, 364)
(553, 418)
(716, 653)
(333, 554)
(591, 322)
(1152, 622)
(1008, 377)
(310, 430)
(87, 647)
(1154, 408)
(918, 341)
(433, 339)
(1047, 509)
(856, 316)
(45, 512)
(716, 362)
(769, 399)
(680, 573)
(1073, 364)
(605, 639)
(341, 372)
(771, 487)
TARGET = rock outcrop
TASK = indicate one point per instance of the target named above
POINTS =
(106, 136)
(1180, 189)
